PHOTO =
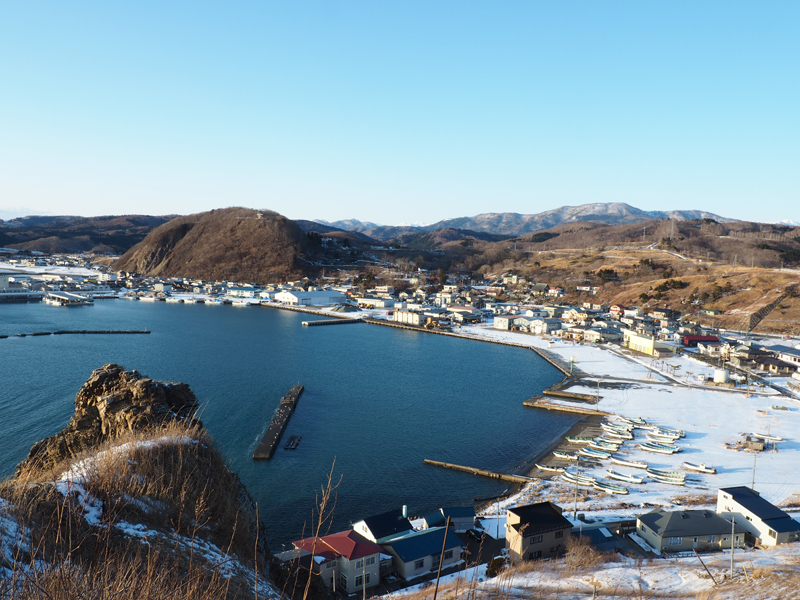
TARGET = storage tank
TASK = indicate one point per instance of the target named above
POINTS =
(720, 376)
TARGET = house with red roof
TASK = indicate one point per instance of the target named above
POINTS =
(346, 561)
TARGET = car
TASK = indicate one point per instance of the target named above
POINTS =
(475, 534)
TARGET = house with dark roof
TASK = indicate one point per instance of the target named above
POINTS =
(420, 552)
(385, 526)
(345, 561)
(685, 530)
(767, 524)
(536, 531)
(461, 518)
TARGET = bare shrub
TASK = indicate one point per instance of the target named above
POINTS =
(581, 556)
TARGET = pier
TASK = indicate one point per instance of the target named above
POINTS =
(483, 472)
(275, 430)
(331, 322)
(539, 402)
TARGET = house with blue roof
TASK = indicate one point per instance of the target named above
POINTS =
(420, 552)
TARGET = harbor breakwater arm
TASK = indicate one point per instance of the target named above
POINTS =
(482, 472)
(272, 437)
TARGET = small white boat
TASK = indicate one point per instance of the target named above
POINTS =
(624, 477)
(603, 446)
(670, 481)
(618, 435)
(565, 455)
(663, 439)
(610, 488)
(636, 464)
(175, 300)
(659, 449)
(548, 468)
(579, 479)
(764, 436)
(594, 453)
(701, 468)
(680, 475)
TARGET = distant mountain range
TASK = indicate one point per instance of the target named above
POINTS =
(515, 224)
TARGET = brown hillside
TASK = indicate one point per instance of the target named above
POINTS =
(236, 244)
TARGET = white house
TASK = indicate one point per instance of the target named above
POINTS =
(322, 298)
(768, 524)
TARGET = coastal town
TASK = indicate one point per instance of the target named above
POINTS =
(650, 385)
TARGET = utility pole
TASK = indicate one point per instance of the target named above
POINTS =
(753, 481)
(441, 559)
(577, 474)
(733, 523)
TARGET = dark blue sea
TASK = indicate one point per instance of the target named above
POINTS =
(377, 400)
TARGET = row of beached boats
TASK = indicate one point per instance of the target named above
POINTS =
(659, 439)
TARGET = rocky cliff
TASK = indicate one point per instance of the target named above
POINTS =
(113, 401)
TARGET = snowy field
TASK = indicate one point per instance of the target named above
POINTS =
(48, 270)
(710, 416)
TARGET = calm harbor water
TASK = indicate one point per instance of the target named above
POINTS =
(377, 400)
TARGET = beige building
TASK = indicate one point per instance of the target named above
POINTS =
(345, 561)
(536, 531)
(765, 524)
(687, 530)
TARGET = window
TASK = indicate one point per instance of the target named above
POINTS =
(552, 550)
(419, 563)
(448, 554)
(359, 564)
(536, 539)
(343, 581)
(559, 534)
(772, 533)
(675, 541)
(711, 538)
(359, 581)
(367, 579)
(370, 561)
(534, 555)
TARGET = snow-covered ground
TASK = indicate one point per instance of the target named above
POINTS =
(710, 416)
(48, 270)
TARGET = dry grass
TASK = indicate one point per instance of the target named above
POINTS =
(169, 481)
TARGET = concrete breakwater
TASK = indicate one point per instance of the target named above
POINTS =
(482, 472)
(80, 331)
(272, 437)
(553, 360)
(330, 322)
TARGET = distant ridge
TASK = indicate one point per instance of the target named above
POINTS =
(516, 224)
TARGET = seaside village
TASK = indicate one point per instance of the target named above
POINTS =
(615, 469)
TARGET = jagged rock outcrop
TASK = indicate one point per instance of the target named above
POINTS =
(112, 401)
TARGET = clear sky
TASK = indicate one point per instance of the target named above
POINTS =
(399, 111)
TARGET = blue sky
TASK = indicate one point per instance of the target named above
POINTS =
(399, 111)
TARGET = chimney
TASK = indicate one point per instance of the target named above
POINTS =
(405, 511)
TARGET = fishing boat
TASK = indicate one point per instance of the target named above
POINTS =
(659, 479)
(658, 448)
(636, 464)
(615, 427)
(610, 488)
(565, 455)
(667, 474)
(579, 479)
(618, 435)
(598, 445)
(578, 440)
(657, 437)
(624, 477)
(174, 300)
(594, 453)
(616, 442)
(701, 468)
(767, 437)
(668, 431)
(549, 468)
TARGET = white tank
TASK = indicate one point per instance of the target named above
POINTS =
(720, 376)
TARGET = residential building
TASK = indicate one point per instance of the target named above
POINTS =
(385, 526)
(420, 552)
(767, 524)
(536, 531)
(461, 518)
(686, 530)
(345, 561)
(409, 317)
